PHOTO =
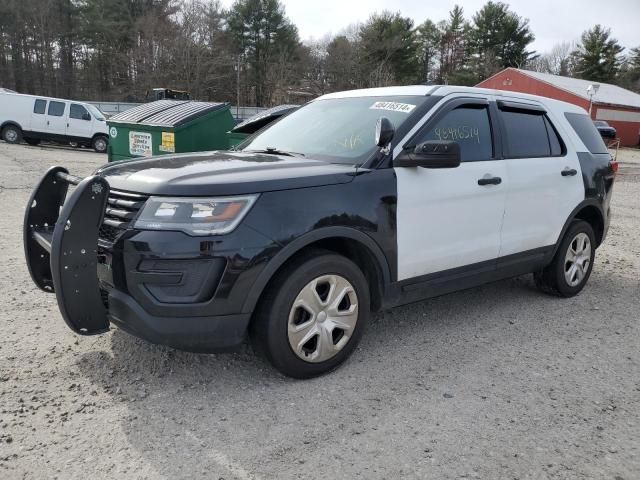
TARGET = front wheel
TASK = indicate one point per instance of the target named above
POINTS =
(99, 144)
(313, 315)
(571, 267)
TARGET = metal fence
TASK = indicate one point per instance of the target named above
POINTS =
(112, 108)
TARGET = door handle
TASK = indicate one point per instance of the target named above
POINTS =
(489, 181)
(568, 172)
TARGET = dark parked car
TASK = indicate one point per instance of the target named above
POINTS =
(606, 130)
(358, 201)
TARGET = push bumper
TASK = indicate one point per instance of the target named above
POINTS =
(61, 249)
(61, 246)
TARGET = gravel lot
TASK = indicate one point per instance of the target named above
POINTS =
(495, 382)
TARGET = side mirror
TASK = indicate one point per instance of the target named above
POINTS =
(430, 154)
(86, 116)
(384, 132)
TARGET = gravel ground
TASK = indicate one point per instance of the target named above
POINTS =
(495, 382)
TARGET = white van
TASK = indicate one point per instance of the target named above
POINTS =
(35, 118)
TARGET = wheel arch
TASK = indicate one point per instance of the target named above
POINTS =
(351, 243)
(11, 122)
(591, 212)
(100, 134)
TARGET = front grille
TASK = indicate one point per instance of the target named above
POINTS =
(121, 208)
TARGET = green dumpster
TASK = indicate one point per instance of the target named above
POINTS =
(169, 126)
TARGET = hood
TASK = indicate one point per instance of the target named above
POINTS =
(222, 173)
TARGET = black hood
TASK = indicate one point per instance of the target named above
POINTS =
(222, 173)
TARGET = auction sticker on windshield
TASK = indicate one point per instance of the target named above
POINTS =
(140, 144)
(393, 106)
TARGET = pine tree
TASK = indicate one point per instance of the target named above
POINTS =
(499, 39)
(597, 56)
(267, 39)
(388, 45)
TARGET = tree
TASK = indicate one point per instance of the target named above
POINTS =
(629, 76)
(499, 39)
(597, 56)
(453, 46)
(428, 38)
(341, 64)
(265, 37)
(388, 47)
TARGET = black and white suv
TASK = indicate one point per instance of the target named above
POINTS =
(356, 202)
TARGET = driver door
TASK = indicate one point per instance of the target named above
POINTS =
(451, 218)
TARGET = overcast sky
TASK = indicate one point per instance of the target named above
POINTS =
(552, 21)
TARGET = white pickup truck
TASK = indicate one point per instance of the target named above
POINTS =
(33, 119)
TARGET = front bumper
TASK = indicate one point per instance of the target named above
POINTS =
(194, 334)
(164, 287)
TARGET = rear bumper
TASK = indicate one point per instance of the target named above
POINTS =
(195, 334)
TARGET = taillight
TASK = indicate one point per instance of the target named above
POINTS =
(613, 165)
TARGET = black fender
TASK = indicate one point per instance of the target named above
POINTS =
(299, 243)
(589, 202)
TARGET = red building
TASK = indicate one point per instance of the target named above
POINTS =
(619, 107)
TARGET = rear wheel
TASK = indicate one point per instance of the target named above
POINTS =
(11, 134)
(99, 144)
(571, 267)
(313, 315)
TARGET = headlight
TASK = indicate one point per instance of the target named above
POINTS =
(194, 216)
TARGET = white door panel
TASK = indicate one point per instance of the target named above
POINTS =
(57, 116)
(38, 116)
(539, 201)
(78, 125)
(445, 219)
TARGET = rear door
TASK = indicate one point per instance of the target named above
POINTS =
(451, 217)
(80, 122)
(39, 116)
(545, 184)
(57, 114)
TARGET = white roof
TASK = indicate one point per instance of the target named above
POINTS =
(607, 93)
(443, 90)
(409, 90)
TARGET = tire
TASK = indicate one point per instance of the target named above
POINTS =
(568, 273)
(100, 143)
(302, 341)
(12, 134)
(32, 141)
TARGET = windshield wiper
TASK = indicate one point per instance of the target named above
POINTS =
(276, 151)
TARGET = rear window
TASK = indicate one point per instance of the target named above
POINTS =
(40, 106)
(56, 109)
(526, 135)
(587, 132)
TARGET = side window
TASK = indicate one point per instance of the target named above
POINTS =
(78, 112)
(525, 134)
(40, 106)
(56, 109)
(557, 147)
(469, 126)
(587, 132)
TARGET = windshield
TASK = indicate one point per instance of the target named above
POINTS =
(601, 123)
(95, 112)
(338, 130)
